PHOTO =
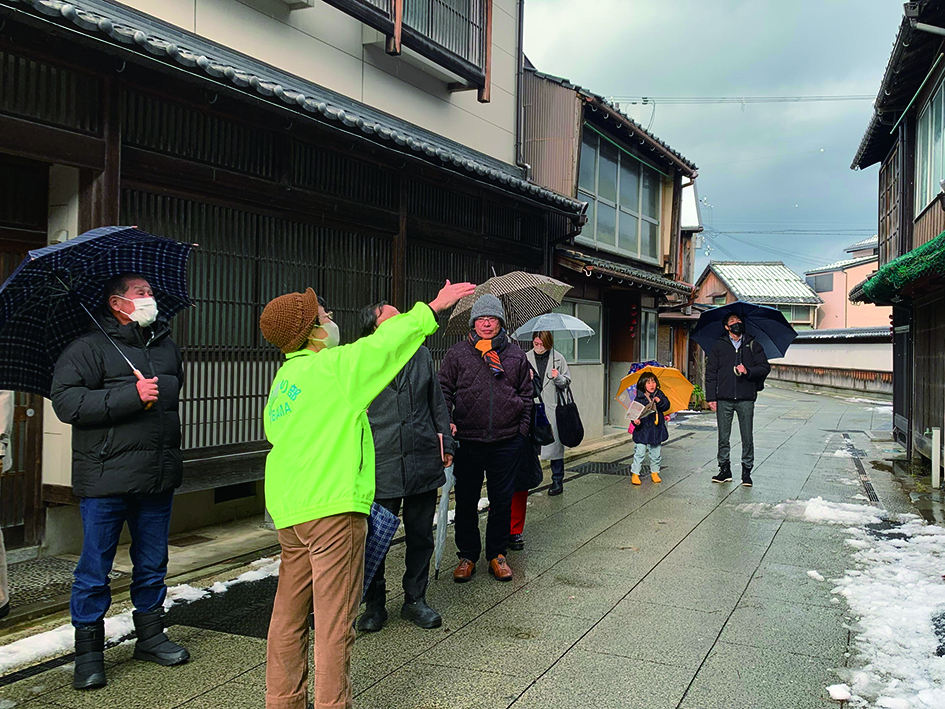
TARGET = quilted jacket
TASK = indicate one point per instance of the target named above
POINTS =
(485, 407)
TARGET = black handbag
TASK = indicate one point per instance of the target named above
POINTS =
(570, 428)
(542, 434)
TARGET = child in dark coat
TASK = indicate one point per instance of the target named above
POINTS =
(649, 430)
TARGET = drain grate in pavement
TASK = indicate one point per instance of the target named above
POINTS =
(188, 541)
(40, 580)
(244, 609)
(886, 529)
(938, 625)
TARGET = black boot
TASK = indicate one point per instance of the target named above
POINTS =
(516, 542)
(90, 657)
(419, 613)
(152, 644)
(725, 473)
(746, 475)
(373, 618)
(556, 489)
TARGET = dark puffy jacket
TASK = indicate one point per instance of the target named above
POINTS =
(652, 429)
(721, 381)
(484, 407)
(118, 446)
(405, 420)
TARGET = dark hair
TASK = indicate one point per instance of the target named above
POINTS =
(728, 318)
(644, 378)
(368, 317)
(547, 339)
(118, 285)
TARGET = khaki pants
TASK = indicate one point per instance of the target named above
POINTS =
(322, 569)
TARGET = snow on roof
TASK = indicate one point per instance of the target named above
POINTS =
(840, 265)
(871, 242)
(764, 282)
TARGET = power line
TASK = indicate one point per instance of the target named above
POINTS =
(646, 100)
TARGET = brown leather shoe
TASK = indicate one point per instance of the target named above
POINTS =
(464, 571)
(499, 568)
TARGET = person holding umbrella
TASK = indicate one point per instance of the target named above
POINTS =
(412, 443)
(735, 370)
(320, 482)
(487, 384)
(126, 463)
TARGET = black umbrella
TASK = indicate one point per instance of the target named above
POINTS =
(48, 301)
(767, 325)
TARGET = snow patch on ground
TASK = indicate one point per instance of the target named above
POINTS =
(815, 510)
(895, 591)
(61, 640)
(842, 454)
(450, 516)
(483, 503)
(815, 575)
(839, 692)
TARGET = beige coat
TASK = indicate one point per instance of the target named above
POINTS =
(549, 387)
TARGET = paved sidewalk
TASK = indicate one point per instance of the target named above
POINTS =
(670, 595)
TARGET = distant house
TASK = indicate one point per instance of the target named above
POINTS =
(766, 283)
(833, 281)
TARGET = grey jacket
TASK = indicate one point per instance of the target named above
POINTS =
(405, 420)
(549, 397)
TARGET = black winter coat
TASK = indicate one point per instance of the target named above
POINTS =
(405, 420)
(721, 382)
(652, 429)
(118, 446)
(484, 407)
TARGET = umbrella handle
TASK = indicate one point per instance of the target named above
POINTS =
(140, 377)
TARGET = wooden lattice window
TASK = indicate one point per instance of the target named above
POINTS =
(889, 208)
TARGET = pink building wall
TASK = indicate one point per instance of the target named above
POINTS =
(837, 311)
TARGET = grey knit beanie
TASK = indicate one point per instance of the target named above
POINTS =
(487, 305)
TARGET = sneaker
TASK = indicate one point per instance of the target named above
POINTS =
(464, 571)
(516, 542)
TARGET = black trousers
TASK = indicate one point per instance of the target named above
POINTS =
(418, 513)
(498, 463)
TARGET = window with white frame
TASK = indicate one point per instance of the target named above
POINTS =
(649, 335)
(584, 350)
(797, 315)
(623, 195)
(929, 157)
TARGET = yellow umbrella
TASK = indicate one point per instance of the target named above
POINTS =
(676, 387)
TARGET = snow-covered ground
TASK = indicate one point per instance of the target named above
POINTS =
(60, 640)
(895, 589)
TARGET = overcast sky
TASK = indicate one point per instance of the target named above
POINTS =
(760, 165)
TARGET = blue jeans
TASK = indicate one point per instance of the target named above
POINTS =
(149, 521)
(639, 453)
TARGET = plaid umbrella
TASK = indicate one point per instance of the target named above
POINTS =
(382, 525)
(523, 295)
(47, 301)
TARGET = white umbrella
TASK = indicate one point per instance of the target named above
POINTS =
(442, 520)
(554, 322)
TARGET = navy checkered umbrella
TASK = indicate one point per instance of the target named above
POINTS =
(47, 301)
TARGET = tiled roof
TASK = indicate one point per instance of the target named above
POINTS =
(840, 265)
(149, 37)
(613, 270)
(672, 156)
(871, 242)
(769, 282)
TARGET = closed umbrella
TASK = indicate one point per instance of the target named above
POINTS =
(554, 322)
(442, 520)
(523, 295)
(48, 301)
(767, 325)
(677, 388)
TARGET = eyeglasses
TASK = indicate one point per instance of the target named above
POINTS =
(488, 319)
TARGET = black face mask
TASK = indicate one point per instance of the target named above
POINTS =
(737, 328)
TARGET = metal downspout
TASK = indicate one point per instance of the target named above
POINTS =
(519, 100)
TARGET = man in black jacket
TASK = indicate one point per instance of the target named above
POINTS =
(735, 371)
(412, 444)
(126, 462)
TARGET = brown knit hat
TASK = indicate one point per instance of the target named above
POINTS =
(287, 321)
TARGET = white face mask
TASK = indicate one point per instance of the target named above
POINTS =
(334, 334)
(145, 312)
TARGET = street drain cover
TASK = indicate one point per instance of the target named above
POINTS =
(614, 468)
(886, 529)
(43, 580)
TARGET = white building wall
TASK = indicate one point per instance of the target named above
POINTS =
(330, 48)
(869, 356)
